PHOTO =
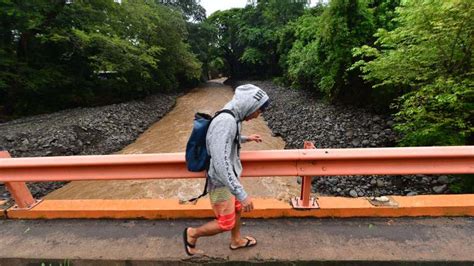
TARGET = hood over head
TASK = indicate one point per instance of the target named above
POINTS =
(247, 99)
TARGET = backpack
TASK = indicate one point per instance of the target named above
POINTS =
(197, 157)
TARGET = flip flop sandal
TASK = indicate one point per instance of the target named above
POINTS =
(186, 243)
(247, 245)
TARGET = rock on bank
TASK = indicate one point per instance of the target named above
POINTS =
(81, 131)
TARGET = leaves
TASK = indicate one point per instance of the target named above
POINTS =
(55, 53)
(251, 37)
(437, 114)
(321, 55)
(430, 52)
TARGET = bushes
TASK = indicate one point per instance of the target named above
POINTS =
(430, 55)
(249, 39)
(366, 52)
(53, 53)
(439, 113)
(321, 55)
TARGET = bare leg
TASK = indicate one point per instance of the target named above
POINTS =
(208, 229)
(235, 233)
(236, 238)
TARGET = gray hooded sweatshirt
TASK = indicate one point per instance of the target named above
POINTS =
(223, 145)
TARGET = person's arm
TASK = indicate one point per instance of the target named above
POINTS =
(244, 139)
(220, 150)
(253, 137)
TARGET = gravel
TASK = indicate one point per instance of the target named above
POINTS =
(80, 131)
(299, 115)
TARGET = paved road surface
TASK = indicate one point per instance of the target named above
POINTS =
(283, 240)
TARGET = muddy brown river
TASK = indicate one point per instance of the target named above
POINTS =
(170, 134)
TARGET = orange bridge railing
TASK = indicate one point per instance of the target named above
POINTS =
(308, 162)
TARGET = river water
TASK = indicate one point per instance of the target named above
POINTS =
(170, 134)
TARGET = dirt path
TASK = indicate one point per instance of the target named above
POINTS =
(170, 135)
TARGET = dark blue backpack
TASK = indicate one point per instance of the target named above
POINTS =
(197, 157)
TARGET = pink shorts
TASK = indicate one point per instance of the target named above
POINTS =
(225, 213)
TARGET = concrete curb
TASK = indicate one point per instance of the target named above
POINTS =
(335, 207)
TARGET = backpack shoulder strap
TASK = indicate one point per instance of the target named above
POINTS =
(232, 114)
(224, 111)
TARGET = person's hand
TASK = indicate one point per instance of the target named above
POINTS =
(247, 204)
(255, 137)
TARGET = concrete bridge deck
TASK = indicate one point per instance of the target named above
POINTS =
(375, 241)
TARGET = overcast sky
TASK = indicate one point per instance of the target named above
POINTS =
(212, 6)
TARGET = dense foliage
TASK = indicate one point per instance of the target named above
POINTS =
(429, 54)
(414, 56)
(249, 39)
(305, 47)
(322, 53)
(61, 54)
(191, 9)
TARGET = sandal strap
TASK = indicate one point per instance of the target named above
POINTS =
(249, 241)
(247, 244)
(186, 240)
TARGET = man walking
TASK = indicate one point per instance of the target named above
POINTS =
(227, 195)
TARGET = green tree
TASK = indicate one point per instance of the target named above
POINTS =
(345, 24)
(201, 38)
(248, 38)
(302, 62)
(297, 33)
(263, 25)
(321, 54)
(58, 54)
(384, 13)
(429, 54)
(191, 9)
(227, 24)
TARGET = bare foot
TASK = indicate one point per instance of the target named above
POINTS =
(191, 239)
(245, 242)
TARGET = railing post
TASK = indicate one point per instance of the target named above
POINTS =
(306, 180)
(305, 201)
(19, 191)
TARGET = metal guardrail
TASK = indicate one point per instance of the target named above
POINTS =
(306, 162)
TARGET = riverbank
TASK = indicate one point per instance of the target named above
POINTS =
(299, 115)
(81, 131)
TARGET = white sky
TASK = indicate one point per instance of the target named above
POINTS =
(212, 6)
